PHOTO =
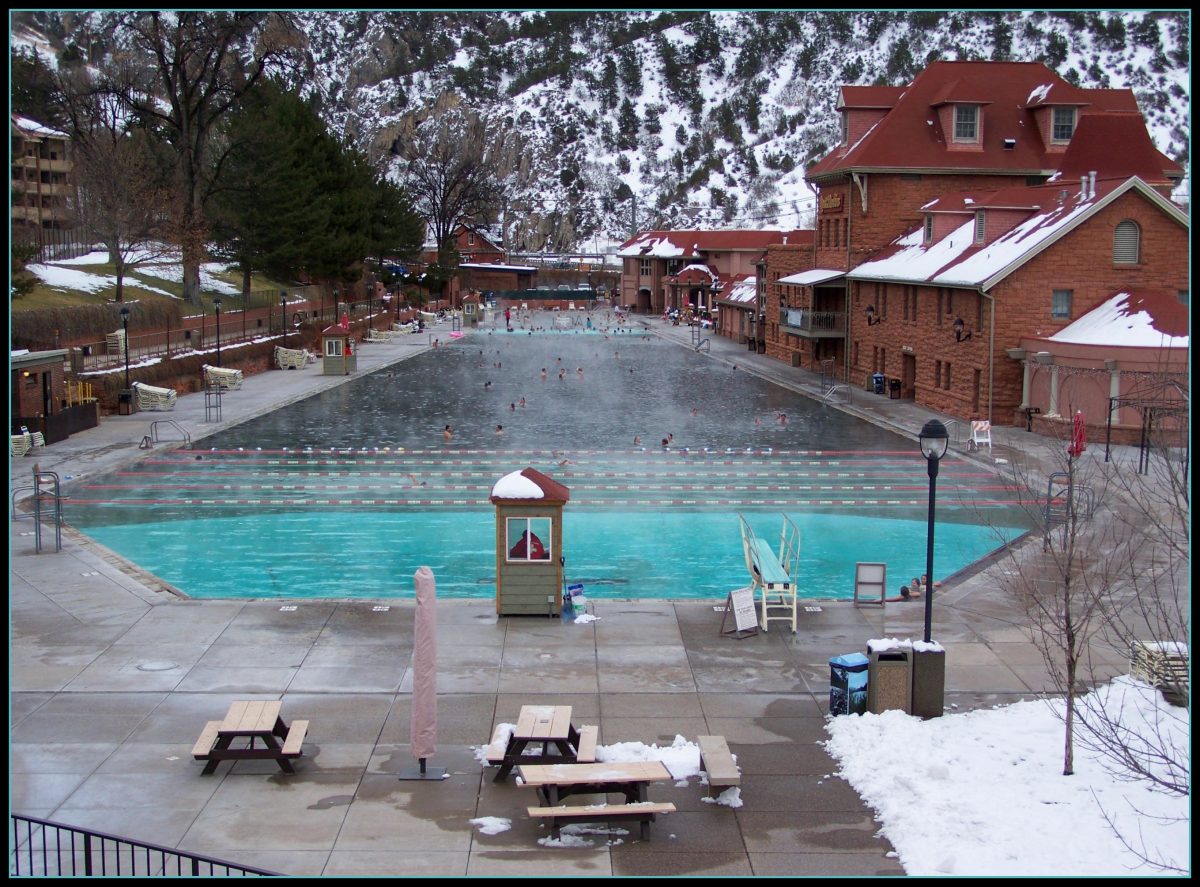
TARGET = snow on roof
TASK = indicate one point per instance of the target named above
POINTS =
(515, 485)
(1131, 319)
(497, 267)
(811, 277)
(745, 291)
(652, 246)
(32, 127)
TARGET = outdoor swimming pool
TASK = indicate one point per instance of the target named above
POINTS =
(345, 494)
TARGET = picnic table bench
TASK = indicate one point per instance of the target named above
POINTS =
(252, 721)
(718, 762)
(554, 782)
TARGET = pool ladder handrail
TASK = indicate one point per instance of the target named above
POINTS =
(185, 437)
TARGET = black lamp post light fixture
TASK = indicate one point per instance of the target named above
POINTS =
(871, 318)
(959, 334)
(934, 442)
(283, 314)
(217, 309)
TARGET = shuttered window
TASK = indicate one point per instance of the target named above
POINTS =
(980, 225)
(1126, 243)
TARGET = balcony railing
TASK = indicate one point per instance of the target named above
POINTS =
(815, 323)
(45, 849)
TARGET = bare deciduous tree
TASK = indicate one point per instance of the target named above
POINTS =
(449, 168)
(183, 72)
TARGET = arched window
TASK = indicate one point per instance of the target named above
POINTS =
(1126, 243)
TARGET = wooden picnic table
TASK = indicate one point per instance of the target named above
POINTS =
(255, 722)
(631, 780)
(548, 726)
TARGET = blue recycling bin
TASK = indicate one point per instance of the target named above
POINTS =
(848, 684)
(877, 381)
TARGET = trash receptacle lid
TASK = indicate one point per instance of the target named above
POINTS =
(850, 659)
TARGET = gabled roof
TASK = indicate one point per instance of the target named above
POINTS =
(910, 136)
(956, 260)
(695, 274)
(672, 244)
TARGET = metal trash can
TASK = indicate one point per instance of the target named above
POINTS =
(928, 680)
(762, 346)
(889, 679)
(125, 403)
(848, 684)
(877, 380)
(894, 389)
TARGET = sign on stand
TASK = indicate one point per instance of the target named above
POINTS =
(740, 602)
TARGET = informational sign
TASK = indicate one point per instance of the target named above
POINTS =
(740, 602)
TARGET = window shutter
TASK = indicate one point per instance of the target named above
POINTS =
(1125, 243)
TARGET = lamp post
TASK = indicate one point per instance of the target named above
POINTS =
(283, 314)
(217, 309)
(125, 328)
(929, 659)
(934, 442)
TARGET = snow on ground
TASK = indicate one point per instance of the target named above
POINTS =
(982, 792)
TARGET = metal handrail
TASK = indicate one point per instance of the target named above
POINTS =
(43, 848)
(187, 438)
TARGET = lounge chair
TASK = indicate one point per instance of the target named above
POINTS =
(222, 378)
(773, 574)
(152, 398)
(290, 358)
(21, 444)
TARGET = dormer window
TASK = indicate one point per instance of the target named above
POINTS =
(966, 123)
(928, 228)
(980, 225)
(1064, 124)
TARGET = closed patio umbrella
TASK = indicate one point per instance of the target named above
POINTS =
(423, 735)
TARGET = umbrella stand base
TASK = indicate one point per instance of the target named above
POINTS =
(422, 772)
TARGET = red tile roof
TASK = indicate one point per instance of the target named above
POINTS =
(869, 96)
(910, 135)
(1114, 145)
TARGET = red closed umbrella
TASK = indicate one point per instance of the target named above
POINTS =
(1078, 436)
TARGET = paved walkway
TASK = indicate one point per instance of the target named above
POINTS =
(112, 679)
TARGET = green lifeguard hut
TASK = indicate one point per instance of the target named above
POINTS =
(529, 557)
(337, 352)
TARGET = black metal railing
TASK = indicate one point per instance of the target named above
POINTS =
(45, 849)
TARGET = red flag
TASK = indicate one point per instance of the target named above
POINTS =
(1078, 436)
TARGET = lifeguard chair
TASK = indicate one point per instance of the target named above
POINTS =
(337, 352)
(529, 559)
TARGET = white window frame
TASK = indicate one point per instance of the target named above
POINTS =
(961, 123)
(515, 526)
(928, 236)
(644, 269)
(1058, 126)
(333, 347)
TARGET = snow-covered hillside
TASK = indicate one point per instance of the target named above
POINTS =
(619, 121)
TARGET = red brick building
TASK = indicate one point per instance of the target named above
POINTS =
(663, 270)
(958, 197)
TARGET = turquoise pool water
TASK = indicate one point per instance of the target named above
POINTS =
(345, 494)
(615, 554)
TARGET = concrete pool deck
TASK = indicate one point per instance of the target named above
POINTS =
(112, 679)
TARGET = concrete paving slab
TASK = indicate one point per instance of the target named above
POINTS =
(646, 670)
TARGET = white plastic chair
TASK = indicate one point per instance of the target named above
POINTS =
(981, 433)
